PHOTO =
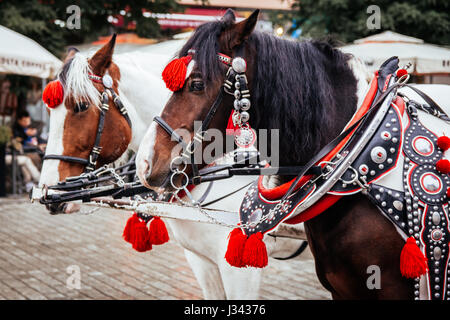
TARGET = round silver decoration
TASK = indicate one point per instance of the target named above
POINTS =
(237, 104)
(398, 205)
(245, 104)
(107, 81)
(363, 169)
(423, 146)
(436, 217)
(385, 135)
(255, 216)
(437, 252)
(246, 138)
(436, 235)
(245, 116)
(378, 155)
(431, 183)
(239, 65)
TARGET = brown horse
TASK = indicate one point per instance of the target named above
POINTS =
(74, 122)
(308, 92)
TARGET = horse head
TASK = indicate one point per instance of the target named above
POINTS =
(195, 79)
(76, 101)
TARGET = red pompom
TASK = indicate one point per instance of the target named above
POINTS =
(401, 73)
(53, 94)
(235, 249)
(255, 252)
(141, 235)
(448, 193)
(174, 74)
(158, 232)
(443, 166)
(413, 263)
(128, 231)
(443, 143)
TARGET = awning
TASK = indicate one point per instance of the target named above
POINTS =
(21, 55)
(425, 58)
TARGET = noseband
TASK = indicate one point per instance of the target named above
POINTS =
(91, 162)
(236, 77)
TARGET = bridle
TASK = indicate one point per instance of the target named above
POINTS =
(91, 162)
(236, 85)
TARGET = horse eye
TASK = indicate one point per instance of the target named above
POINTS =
(197, 86)
(81, 106)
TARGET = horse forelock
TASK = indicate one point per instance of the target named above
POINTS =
(75, 80)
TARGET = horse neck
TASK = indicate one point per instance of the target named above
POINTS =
(141, 91)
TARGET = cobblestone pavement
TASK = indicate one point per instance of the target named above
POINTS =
(36, 249)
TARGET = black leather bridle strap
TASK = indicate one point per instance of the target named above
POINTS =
(66, 158)
(167, 128)
(434, 106)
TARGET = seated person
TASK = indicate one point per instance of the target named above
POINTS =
(28, 135)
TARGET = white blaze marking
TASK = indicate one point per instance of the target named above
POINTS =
(146, 152)
(50, 173)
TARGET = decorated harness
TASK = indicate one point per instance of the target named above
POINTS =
(385, 137)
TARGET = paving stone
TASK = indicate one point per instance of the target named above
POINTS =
(37, 251)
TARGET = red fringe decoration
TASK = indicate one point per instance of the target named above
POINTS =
(174, 74)
(413, 263)
(443, 143)
(255, 252)
(235, 249)
(443, 166)
(141, 241)
(53, 94)
(128, 231)
(158, 232)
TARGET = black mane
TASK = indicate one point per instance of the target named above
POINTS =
(305, 89)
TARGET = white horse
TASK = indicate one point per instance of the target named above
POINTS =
(143, 94)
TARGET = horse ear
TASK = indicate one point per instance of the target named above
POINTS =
(242, 30)
(101, 60)
(70, 53)
(229, 16)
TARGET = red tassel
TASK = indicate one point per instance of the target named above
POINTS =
(413, 263)
(448, 193)
(174, 74)
(141, 242)
(53, 94)
(231, 128)
(158, 232)
(235, 249)
(401, 73)
(443, 143)
(255, 252)
(128, 231)
(443, 166)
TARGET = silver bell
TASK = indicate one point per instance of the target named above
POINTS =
(237, 104)
(239, 65)
(245, 104)
(245, 116)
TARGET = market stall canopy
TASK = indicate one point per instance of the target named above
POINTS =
(425, 58)
(21, 55)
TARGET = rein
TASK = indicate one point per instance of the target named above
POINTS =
(91, 162)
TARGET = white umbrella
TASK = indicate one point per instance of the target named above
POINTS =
(425, 58)
(21, 55)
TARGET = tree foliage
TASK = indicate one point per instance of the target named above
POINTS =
(346, 20)
(36, 19)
